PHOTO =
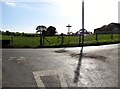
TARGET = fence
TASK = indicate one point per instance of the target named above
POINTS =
(24, 41)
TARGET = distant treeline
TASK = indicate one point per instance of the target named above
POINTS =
(112, 28)
(34, 34)
(29, 34)
(19, 34)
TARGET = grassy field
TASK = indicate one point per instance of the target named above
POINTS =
(23, 41)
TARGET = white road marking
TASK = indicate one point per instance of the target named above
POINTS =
(11, 58)
(39, 82)
(15, 58)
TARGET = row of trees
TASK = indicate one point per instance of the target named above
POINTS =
(17, 34)
(43, 30)
(51, 31)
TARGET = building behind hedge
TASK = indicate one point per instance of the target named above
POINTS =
(112, 28)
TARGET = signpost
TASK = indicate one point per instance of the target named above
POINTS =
(68, 32)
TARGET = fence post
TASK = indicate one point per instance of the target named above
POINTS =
(79, 39)
(62, 39)
(12, 39)
(33, 41)
(43, 40)
(40, 39)
(96, 37)
(111, 35)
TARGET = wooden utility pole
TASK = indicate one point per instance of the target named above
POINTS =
(82, 22)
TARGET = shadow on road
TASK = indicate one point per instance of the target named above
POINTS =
(77, 71)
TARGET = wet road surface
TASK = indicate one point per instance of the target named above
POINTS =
(35, 67)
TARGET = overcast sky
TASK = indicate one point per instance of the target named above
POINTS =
(26, 15)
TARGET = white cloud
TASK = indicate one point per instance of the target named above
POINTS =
(18, 4)
(12, 4)
(26, 6)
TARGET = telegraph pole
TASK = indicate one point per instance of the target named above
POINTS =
(77, 73)
(82, 23)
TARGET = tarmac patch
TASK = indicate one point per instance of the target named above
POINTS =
(50, 78)
(61, 51)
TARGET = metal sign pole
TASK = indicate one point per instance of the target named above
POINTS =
(68, 32)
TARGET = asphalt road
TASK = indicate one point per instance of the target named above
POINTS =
(98, 67)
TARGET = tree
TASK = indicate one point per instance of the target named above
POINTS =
(44, 32)
(51, 30)
(8, 33)
(22, 34)
(17, 34)
(40, 29)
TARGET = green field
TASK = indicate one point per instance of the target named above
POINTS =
(23, 41)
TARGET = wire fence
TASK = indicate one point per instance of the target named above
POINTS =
(24, 41)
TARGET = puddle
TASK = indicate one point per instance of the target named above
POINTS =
(99, 57)
(84, 55)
